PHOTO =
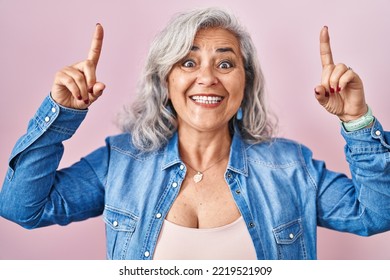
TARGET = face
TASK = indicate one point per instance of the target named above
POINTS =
(206, 88)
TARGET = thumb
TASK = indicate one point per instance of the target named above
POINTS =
(97, 91)
(98, 87)
(321, 95)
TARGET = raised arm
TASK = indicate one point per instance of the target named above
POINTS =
(35, 193)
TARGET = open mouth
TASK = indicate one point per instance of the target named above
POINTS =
(207, 99)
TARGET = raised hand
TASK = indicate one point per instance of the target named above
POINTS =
(341, 91)
(76, 86)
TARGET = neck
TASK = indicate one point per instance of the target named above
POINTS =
(201, 149)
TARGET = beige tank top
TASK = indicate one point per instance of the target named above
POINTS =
(229, 242)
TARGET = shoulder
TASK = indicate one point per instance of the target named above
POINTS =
(278, 152)
(123, 144)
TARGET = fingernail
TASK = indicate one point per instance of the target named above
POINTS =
(331, 90)
(326, 94)
(315, 90)
(86, 101)
(90, 90)
(338, 88)
(79, 97)
(98, 23)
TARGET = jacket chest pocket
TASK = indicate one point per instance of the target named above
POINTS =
(289, 240)
(120, 227)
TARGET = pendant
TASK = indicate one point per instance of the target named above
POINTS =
(198, 177)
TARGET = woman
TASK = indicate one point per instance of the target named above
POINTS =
(197, 174)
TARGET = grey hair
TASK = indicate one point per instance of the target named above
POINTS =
(151, 120)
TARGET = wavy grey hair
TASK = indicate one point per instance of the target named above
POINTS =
(150, 119)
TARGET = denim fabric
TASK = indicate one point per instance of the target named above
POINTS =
(282, 193)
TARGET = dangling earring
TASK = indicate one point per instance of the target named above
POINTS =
(239, 114)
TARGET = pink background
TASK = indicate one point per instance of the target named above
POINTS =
(39, 37)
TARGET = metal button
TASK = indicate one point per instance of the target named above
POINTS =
(251, 224)
(47, 119)
(115, 223)
(378, 133)
(181, 167)
(158, 215)
(53, 109)
(238, 192)
(174, 184)
(291, 236)
(147, 254)
(229, 175)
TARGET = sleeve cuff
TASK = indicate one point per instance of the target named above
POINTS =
(372, 139)
(54, 116)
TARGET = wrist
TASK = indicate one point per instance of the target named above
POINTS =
(362, 122)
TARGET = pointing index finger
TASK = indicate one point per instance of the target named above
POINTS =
(96, 45)
(325, 50)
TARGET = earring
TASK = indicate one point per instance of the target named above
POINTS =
(239, 114)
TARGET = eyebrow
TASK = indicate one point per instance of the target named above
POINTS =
(222, 50)
(219, 50)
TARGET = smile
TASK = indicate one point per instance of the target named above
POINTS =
(203, 99)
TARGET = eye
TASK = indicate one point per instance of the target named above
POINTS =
(225, 65)
(188, 63)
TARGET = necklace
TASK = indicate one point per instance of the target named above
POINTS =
(199, 174)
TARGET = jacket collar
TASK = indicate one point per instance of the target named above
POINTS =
(171, 153)
(237, 158)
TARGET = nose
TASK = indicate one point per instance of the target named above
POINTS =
(206, 76)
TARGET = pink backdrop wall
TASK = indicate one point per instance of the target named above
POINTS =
(39, 37)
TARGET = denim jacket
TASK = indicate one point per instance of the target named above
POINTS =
(282, 193)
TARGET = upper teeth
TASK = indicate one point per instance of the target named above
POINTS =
(206, 99)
